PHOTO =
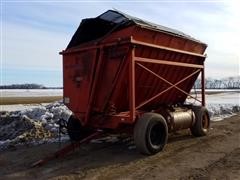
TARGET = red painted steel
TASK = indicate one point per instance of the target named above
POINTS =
(105, 81)
(66, 149)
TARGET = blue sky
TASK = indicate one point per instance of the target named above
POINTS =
(34, 32)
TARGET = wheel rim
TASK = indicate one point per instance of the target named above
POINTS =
(156, 135)
(205, 122)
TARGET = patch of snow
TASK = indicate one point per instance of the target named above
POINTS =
(19, 107)
(30, 92)
(218, 112)
(220, 105)
(35, 125)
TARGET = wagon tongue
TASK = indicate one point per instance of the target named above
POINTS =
(67, 149)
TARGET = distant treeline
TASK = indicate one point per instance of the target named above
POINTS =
(225, 83)
(27, 86)
(210, 83)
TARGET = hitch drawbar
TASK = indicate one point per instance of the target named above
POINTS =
(67, 149)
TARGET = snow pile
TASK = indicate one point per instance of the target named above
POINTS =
(32, 126)
(16, 131)
(48, 115)
(221, 105)
(218, 112)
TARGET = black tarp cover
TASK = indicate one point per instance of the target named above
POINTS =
(93, 29)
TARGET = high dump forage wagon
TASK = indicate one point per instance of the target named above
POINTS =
(126, 75)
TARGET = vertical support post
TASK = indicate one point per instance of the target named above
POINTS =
(132, 85)
(203, 85)
(98, 63)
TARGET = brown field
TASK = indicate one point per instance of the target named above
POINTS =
(28, 100)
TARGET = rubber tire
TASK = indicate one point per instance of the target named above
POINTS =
(75, 130)
(197, 129)
(142, 131)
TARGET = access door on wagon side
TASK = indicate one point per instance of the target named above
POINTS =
(78, 70)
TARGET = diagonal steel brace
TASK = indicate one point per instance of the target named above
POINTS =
(166, 81)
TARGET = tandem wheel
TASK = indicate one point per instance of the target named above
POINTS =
(75, 129)
(150, 133)
(202, 123)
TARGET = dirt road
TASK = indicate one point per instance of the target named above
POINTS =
(216, 156)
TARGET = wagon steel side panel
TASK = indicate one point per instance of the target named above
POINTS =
(114, 59)
(146, 84)
(78, 71)
(165, 39)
